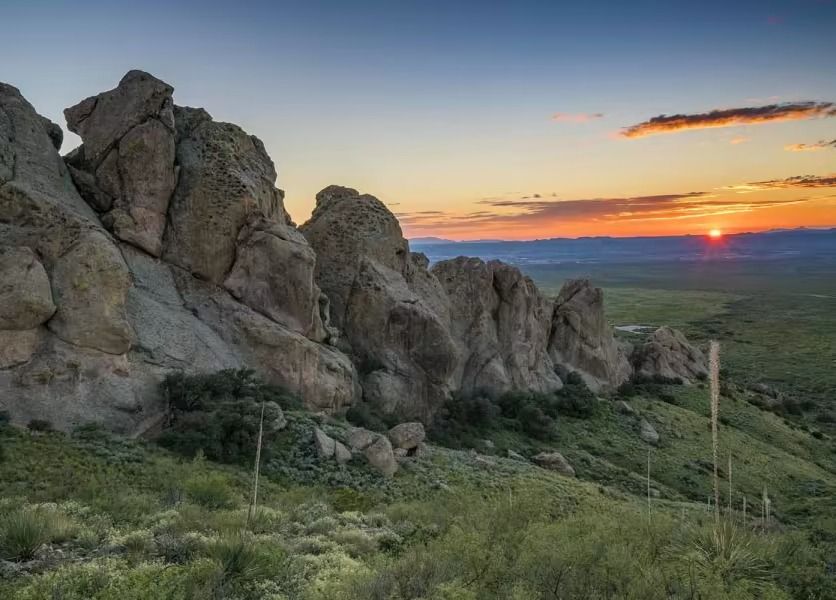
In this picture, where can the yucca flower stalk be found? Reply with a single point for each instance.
(730, 485)
(714, 372)
(256, 468)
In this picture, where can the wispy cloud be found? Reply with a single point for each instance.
(738, 139)
(820, 145)
(799, 181)
(508, 213)
(728, 117)
(576, 117)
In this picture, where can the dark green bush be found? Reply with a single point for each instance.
(5, 417)
(40, 425)
(363, 415)
(218, 414)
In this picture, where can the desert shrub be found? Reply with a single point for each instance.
(242, 560)
(210, 491)
(627, 389)
(535, 422)
(219, 414)
(39, 425)
(24, 530)
(363, 415)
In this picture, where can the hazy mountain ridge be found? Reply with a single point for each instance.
(767, 245)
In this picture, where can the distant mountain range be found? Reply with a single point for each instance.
(768, 245)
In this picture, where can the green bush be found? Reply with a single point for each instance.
(40, 425)
(23, 532)
(218, 414)
(210, 491)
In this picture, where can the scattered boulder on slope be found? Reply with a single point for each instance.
(407, 436)
(554, 461)
(668, 354)
(501, 326)
(325, 445)
(582, 338)
(648, 433)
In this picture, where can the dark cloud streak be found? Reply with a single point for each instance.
(786, 111)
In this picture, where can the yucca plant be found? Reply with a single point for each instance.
(238, 558)
(730, 553)
(23, 532)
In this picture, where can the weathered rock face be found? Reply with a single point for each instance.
(225, 179)
(667, 353)
(582, 339)
(25, 295)
(501, 325)
(385, 303)
(274, 274)
(162, 244)
(90, 324)
(125, 166)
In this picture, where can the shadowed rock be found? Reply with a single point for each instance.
(125, 165)
(582, 338)
(667, 353)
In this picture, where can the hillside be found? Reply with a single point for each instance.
(130, 520)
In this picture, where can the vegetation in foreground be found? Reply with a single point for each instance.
(92, 516)
(88, 515)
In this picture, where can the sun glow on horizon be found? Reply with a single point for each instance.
(715, 234)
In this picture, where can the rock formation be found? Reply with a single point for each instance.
(501, 325)
(582, 339)
(668, 354)
(125, 167)
(393, 315)
(162, 244)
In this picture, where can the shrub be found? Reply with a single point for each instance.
(219, 414)
(5, 417)
(40, 425)
(241, 560)
(210, 491)
(362, 415)
(535, 422)
(23, 532)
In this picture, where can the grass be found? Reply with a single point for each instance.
(130, 520)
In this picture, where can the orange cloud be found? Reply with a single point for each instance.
(738, 139)
(799, 181)
(787, 111)
(576, 117)
(820, 145)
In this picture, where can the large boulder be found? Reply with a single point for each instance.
(391, 324)
(501, 326)
(668, 354)
(125, 165)
(25, 295)
(274, 274)
(407, 436)
(225, 179)
(581, 338)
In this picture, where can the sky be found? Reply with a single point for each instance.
(485, 120)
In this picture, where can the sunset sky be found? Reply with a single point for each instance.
(485, 119)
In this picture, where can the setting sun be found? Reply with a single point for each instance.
(715, 234)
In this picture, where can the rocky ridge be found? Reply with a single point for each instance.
(161, 244)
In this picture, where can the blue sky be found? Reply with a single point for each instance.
(435, 106)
